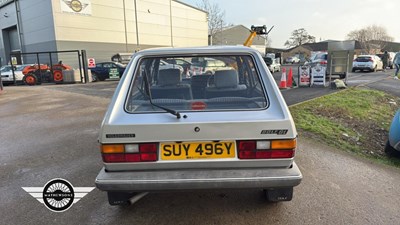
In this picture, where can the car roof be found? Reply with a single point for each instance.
(199, 50)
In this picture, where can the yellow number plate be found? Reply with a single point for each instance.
(197, 150)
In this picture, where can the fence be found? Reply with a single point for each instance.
(49, 67)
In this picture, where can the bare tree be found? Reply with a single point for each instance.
(299, 37)
(216, 17)
(371, 38)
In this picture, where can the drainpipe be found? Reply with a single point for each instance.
(170, 22)
(137, 29)
(126, 34)
(19, 26)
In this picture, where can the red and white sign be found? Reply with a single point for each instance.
(304, 76)
(91, 63)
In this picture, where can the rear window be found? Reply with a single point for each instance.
(232, 85)
(321, 56)
(363, 59)
(268, 60)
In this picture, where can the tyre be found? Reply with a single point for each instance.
(389, 150)
(353, 70)
(94, 77)
(30, 79)
(100, 78)
(278, 194)
(119, 198)
(57, 76)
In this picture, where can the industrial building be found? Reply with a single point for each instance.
(101, 27)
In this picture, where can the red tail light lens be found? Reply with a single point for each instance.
(247, 154)
(113, 157)
(148, 157)
(282, 154)
(246, 145)
(152, 147)
(119, 153)
(324, 62)
(132, 157)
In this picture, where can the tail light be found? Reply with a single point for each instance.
(371, 60)
(323, 62)
(266, 149)
(119, 153)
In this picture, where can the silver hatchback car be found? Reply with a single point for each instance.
(170, 130)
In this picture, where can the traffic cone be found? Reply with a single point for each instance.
(282, 84)
(294, 84)
(290, 78)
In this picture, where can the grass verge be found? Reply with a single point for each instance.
(355, 120)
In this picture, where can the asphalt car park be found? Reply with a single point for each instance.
(60, 130)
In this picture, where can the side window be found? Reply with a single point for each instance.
(99, 65)
(107, 65)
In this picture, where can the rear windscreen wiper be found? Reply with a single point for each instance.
(148, 93)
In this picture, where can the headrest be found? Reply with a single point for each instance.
(226, 78)
(169, 77)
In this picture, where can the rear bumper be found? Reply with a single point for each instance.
(141, 181)
(363, 67)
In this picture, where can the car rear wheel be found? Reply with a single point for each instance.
(120, 198)
(353, 70)
(389, 150)
(278, 194)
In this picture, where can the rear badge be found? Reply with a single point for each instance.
(277, 132)
(120, 135)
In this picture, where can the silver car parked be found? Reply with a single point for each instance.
(167, 131)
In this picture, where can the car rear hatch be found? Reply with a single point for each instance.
(203, 140)
(237, 119)
(363, 61)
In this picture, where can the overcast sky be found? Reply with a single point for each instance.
(323, 19)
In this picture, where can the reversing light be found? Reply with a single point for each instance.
(131, 148)
(263, 144)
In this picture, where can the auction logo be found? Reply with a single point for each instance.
(58, 194)
(75, 5)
